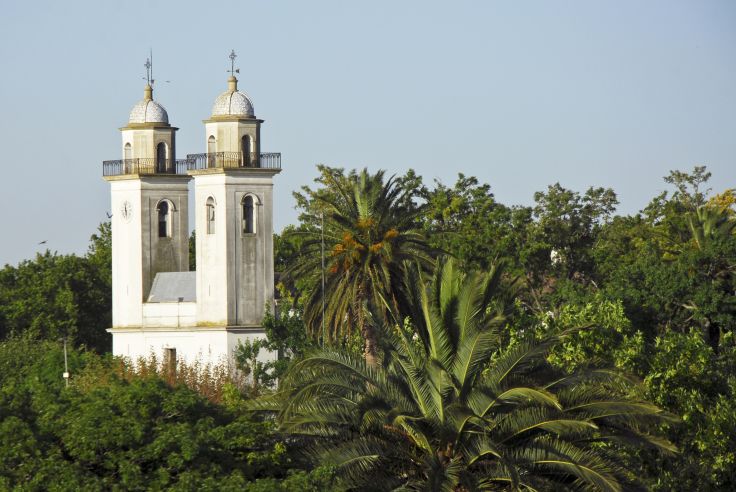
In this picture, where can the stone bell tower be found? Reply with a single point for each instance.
(159, 307)
(233, 188)
(149, 200)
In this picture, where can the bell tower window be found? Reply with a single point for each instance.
(246, 148)
(161, 154)
(164, 219)
(211, 147)
(210, 215)
(127, 158)
(249, 220)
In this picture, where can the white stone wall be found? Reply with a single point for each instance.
(137, 251)
(207, 346)
(234, 269)
(127, 253)
(169, 314)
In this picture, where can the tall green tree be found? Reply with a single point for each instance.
(566, 227)
(467, 221)
(56, 296)
(370, 231)
(458, 408)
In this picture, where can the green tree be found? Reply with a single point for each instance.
(56, 296)
(370, 231)
(458, 408)
(99, 253)
(61, 296)
(467, 222)
(566, 227)
(138, 433)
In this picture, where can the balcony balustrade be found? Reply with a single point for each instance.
(193, 162)
(144, 166)
(234, 160)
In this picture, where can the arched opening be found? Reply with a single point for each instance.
(246, 149)
(249, 218)
(211, 146)
(210, 215)
(161, 152)
(127, 158)
(164, 219)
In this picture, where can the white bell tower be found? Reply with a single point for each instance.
(159, 307)
(233, 184)
(149, 197)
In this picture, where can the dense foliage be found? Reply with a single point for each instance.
(649, 296)
(456, 407)
(105, 432)
(655, 291)
(60, 296)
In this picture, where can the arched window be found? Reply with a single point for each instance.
(249, 216)
(127, 158)
(211, 148)
(164, 219)
(161, 154)
(210, 215)
(247, 150)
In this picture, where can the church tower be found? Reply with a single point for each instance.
(149, 197)
(159, 307)
(233, 183)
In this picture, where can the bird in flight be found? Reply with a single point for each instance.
(109, 215)
(43, 242)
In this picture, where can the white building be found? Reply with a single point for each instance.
(159, 306)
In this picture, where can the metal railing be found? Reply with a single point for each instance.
(234, 160)
(144, 166)
(193, 162)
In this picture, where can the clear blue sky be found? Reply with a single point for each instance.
(519, 94)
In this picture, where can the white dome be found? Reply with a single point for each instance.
(148, 111)
(233, 102)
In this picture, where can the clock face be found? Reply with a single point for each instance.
(126, 209)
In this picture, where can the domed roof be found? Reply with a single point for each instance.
(233, 102)
(147, 110)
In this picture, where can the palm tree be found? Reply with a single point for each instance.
(709, 223)
(455, 407)
(711, 228)
(370, 231)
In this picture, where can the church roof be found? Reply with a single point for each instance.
(174, 287)
(147, 110)
(232, 102)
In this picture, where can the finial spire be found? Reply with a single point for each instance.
(148, 90)
(233, 70)
(149, 71)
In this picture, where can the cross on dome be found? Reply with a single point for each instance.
(147, 110)
(233, 70)
(149, 71)
(232, 102)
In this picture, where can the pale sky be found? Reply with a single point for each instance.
(519, 94)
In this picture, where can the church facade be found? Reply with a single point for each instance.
(159, 306)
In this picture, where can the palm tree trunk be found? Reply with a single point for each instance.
(366, 330)
(369, 335)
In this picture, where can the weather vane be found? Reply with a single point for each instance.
(232, 57)
(149, 69)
